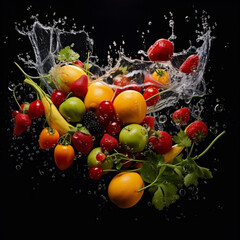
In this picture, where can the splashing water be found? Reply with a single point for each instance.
(47, 41)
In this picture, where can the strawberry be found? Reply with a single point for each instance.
(108, 143)
(161, 50)
(82, 142)
(22, 123)
(197, 131)
(181, 116)
(149, 121)
(190, 64)
(161, 142)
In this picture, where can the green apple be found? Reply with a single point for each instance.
(93, 162)
(73, 109)
(133, 138)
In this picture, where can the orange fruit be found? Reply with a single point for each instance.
(65, 75)
(161, 76)
(130, 106)
(123, 189)
(97, 92)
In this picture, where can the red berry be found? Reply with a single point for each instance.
(108, 143)
(134, 86)
(128, 164)
(14, 113)
(79, 63)
(181, 116)
(95, 172)
(149, 92)
(80, 86)
(22, 123)
(36, 109)
(121, 81)
(149, 81)
(104, 120)
(190, 64)
(149, 121)
(57, 97)
(161, 50)
(197, 131)
(82, 142)
(106, 108)
(161, 143)
(114, 128)
(101, 157)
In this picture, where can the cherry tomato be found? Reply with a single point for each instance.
(36, 109)
(48, 138)
(63, 156)
(150, 92)
(57, 97)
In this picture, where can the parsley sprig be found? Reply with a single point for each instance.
(166, 179)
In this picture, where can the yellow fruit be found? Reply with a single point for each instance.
(54, 118)
(123, 189)
(130, 106)
(161, 76)
(65, 75)
(174, 152)
(97, 92)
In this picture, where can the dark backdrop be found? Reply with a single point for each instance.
(34, 206)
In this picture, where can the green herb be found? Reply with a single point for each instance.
(67, 54)
(166, 179)
(182, 139)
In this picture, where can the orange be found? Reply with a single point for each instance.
(130, 106)
(65, 75)
(123, 189)
(97, 92)
(161, 76)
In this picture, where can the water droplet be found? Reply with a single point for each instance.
(162, 118)
(219, 108)
(187, 18)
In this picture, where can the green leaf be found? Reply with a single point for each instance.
(67, 54)
(190, 179)
(149, 171)
(157, 199)
(182, 139)
(150, 167)
(165, 195)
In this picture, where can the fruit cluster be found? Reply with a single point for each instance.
(109, 124)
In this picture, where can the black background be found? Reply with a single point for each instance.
(53, 210)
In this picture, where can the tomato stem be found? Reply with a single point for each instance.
(209, 146)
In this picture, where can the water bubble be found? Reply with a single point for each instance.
(149, 23)
(162, 118)
(219, 108)
(187, 18)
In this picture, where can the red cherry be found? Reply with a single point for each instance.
(14, 113)
(57, 97)
(36, 109)
(149, 92)
(106, 108)
(79, 63)
(101, 157)
(128, 164)
(114, 128)
(95, 172)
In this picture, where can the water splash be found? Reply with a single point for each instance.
(47, 41)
